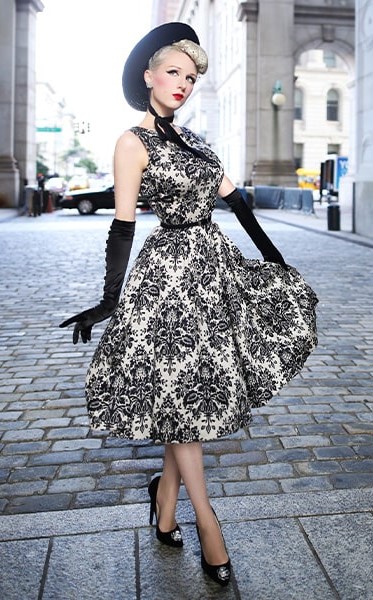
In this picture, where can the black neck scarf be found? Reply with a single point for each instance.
(166, 132)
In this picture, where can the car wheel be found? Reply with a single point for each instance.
(85, 207)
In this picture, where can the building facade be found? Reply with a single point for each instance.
(322, 108)
(364, 119)
(17, 97)
(257, 48)
(55, 130)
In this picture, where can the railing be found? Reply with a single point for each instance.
(283, 198)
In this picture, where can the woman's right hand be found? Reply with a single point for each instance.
(85, 320)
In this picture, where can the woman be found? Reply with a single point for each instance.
(200, 334)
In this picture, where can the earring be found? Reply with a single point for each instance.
(149, 85)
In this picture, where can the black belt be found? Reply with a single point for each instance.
(185, 225)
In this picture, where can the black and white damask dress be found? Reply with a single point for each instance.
(201, 334)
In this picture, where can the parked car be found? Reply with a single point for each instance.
(56, 187)
(78, 182)
(55, 184)
(88, 201)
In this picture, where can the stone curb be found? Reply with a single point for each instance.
(234, 509)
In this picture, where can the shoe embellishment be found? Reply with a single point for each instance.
(176, 535)
(224, 573)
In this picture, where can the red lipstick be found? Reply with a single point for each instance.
(178, 96)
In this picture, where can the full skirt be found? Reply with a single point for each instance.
(200, 336)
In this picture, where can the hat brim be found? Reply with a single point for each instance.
(134, 88)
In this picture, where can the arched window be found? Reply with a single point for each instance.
(330, 59)
(332, 106)
(298, 104)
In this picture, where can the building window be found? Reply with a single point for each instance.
(334, 149)
(332, 105)
(298, 104)
(298, 155)
(330, 59)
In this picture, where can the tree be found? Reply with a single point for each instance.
(76, 151)
(82, 156)
(41, 167)
(88, 164)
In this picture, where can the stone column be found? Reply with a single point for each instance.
(364, 119)
(273, 163)
(251, 101)
(25, 79)
(9, 176)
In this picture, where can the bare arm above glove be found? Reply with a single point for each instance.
(248, 221)
(118, 249)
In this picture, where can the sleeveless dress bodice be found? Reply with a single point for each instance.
(179, 187)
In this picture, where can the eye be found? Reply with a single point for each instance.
(191, 79)
(173, 72)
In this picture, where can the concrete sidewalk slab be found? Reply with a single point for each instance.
(294, 547)
(344, 545)
(92, 566)
(316, 222)
(6, 214)
(272, 559)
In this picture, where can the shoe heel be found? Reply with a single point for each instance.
(169, 538)
(221, 574)
(151, 515)
(152, 491)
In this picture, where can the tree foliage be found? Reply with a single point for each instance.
(41, 167)
(88, 164)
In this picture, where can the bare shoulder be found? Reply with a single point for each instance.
(129, 141)
(129, 145)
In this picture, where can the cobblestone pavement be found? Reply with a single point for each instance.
(317, 435)
(294, 493)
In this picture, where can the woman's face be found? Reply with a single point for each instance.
(171, 82)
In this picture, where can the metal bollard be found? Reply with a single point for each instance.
(334, 217)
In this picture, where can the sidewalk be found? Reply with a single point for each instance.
(294, 493)
(6, 214)
(305, 546)
(317, 222)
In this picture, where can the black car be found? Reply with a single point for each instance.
(89, 200)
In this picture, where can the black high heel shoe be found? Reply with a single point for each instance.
(170, 538)
(219, 573)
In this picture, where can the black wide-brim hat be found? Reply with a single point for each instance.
(134, 87)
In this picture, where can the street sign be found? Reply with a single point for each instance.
(52, 129)
(342, 168)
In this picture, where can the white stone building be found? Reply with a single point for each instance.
(363, 198)
(216, 109)
(54, 129)
(250, 47)
(322, 108)
(17, 97)
(252, 44)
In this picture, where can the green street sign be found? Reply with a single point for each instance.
(52, 129)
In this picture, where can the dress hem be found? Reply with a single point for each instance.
(156, 440)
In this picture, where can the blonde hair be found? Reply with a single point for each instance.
(194, 51)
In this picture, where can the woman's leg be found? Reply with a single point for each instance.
(168, 491)
(189, 460)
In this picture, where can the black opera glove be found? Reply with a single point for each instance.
(248, 221)
(85, 320)
(118, 249)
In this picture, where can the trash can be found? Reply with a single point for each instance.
(28, 195)
(36, 203)
(334, 217)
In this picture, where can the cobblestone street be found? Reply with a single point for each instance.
(312, 443)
